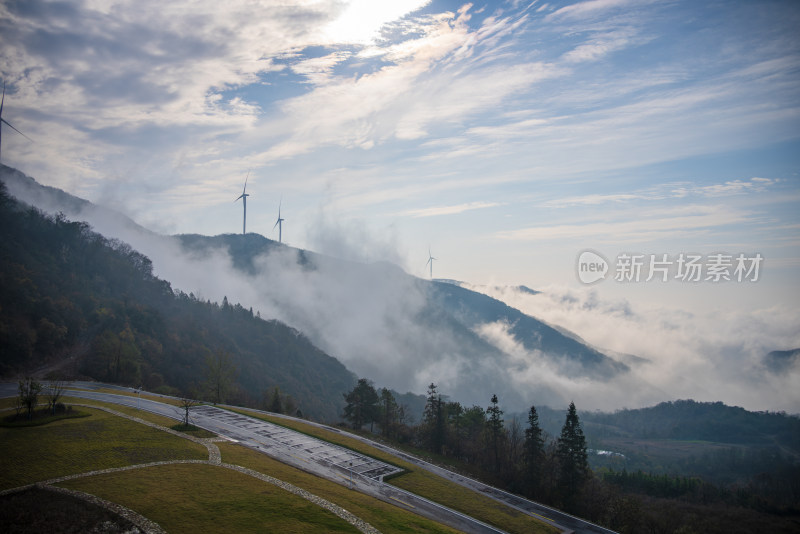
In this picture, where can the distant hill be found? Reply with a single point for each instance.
(706, 421)
(69, 295)
(779, 361)
(472, 309)
(53, 200)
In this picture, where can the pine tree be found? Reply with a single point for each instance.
(362, 404)
(533, 454)
(495, 430)
(455, 418)
(572, 457)
(275, 401)
(433, 419)
(389, 412)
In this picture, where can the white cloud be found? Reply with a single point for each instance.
(590, 8)
(449, 210)
(319, 70)
(591, 200)
(600, 46)
(668, 191)
(360, 21)
(683, 221)
(705, 356)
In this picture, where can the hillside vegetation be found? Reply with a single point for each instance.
(67, 294)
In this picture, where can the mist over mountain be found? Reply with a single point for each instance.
(398, 330)
(679, 353)
(782, 361)
(404, 332)
(76, 304)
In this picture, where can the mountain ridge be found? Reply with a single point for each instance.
(399, 330)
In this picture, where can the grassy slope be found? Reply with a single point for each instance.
(427, 484)
(151, 490)
(203, 498)
(383, 516)
(71, 446)
(117, 442)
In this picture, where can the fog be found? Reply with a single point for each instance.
(376, 320)
(705, 356)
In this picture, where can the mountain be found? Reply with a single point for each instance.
(398, 330)
(690, 420)
(53, 200)
(85, 305)
(780, 361)
(439, 323)
(473, 309)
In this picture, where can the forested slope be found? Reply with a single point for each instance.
(67, 292)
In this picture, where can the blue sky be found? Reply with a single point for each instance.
(506, 136)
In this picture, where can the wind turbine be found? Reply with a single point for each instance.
(244, 196)
(2, 120)
(430, 260)
(279, 222)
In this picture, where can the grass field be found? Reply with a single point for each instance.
(70, 446)
(8, 402)
(41, 416)
(163, 493)
(204, 498)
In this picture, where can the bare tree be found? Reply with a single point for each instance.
(219, 375)
(55, 390)
(187, 403)
(18, 405)
(29, 390)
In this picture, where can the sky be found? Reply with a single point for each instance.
(505, 139)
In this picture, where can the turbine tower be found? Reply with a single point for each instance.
(430, 260)
(244, 196)
(3, 121)
(279, 222)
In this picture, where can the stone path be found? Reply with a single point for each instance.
(214, 458)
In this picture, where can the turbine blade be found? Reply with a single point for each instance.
(245, 184)
(12, 127)
(3, 100)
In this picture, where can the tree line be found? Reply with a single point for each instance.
(518, 459)
(522, 458)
